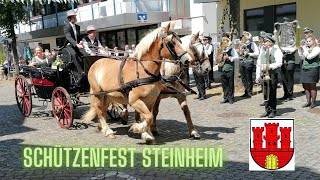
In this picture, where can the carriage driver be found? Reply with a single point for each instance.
(74, 45)
(91, 44)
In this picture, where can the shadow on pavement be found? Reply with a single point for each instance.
(11, 120)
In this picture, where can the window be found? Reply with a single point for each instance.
(179, 9)
(263, 19)
(254, 20)
(60, 41)
(132, 38)
(121, 38)
(286, 10)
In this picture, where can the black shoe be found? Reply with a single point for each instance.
(263, 104)
(313, 105)
(272, 114)
(290, 98)
(265, 114)
(224, 101)
(202, 98)
(230, 101)
(245, 95)
(250, 95)
(306, 105)
(283, 98)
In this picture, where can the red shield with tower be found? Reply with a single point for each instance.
(271, 144)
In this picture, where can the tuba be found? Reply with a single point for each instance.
(243, 49)
(221, 52)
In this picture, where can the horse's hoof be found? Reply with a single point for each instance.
(155, 133)
(194, 137)
(111, 136)
(150, 142)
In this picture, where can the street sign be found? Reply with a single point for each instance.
(142, 17)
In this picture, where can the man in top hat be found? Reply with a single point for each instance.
(209, 51)
(274, 54)
(249, 52)
(75, 46)
(91, 44)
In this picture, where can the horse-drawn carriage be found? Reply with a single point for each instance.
(55, 85)
(135, 81)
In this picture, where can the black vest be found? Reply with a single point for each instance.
(95, 43)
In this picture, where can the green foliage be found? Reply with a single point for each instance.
(2, 55)
(11, 13)
(58, 62)
(37, 1)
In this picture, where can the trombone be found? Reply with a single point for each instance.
(266, 78)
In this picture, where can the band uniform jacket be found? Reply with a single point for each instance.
(70, 36)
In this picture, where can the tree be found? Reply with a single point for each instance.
(11, 14)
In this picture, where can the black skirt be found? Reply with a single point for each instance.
(309, 75)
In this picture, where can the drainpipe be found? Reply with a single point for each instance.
(91, 2)
(114, 8)
(56, 11)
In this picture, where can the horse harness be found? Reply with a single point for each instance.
(126, 87)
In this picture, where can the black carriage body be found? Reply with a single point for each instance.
(45, 80)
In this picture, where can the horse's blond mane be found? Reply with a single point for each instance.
(146, 42)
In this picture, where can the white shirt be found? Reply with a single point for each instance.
(74, 31)
(89, 51)
(234, 55)
(208, 49)
(278, 58)
(255, 49)
(309, 55)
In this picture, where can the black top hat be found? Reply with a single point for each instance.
(269, 37)
(207, 37)
(306, 29)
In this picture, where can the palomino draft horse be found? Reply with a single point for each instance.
(195, 48)
(134, 81)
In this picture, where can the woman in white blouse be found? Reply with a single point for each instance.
(310, 70)
(39, 59)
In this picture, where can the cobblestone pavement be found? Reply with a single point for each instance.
(222, 125)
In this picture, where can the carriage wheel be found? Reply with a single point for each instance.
(62, 107)
(23, 96)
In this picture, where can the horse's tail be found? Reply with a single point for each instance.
(91, 113)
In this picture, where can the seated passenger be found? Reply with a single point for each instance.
(91, 44)
(39, 60)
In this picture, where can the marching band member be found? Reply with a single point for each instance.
(310, 70)
(275, 57)
(209, 51)
(91, 44)
(251, 51)
(227, 77)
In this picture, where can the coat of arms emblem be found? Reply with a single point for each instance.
(271, 144)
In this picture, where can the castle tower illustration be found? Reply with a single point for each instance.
(257, 137)
(271, 156)
(285, 137)
(271, 136)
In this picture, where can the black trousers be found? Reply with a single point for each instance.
(246, 69)
(76, 55)
(199, 79)
(270, 88)
(287, 73)
(227, 80)
(210, 74)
